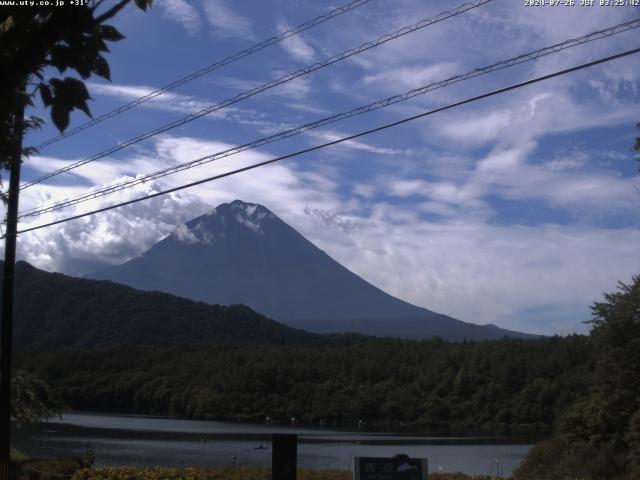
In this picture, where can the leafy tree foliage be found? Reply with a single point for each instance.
(35, 38)
(632, 438)
(599, 435)
(339, 380)
(33, 400)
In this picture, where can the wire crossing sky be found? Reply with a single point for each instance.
(341, 140)
(387, 37)
(530, 56)
(206, 70)
(517, 210)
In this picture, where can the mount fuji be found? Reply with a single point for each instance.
(242, 253)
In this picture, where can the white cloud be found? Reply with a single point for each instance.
(477, 130)
(414, 76)
(182, 12)
(169, 101)
(295, 45)
(309, 108)
(330, 136)
(461, 42)
(227, 23)
(573, 183)
(332, 219)
(507, 172)
(107, 238)
(187, 104)
(529, 114)
(491, 274)
(295, 89)
(96, 173)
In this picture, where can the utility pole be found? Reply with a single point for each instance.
(6, 319)
(284, 456)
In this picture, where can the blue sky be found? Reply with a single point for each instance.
(518, 210)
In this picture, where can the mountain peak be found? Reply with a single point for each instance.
(223, 221)
(249, 215)
(241, 253)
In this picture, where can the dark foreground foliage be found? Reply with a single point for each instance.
(598, 436)
(32, 400)
(75, 469)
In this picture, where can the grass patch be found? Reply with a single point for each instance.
(16, 456)
(76, 469)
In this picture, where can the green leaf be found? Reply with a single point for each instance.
(110, 33)
(85, 108)
(101, 67)
(60, 57)
(56, 83)
(76, 94)
(100, 45)
(33, 122)
(77, 88)
(60, 116)
(83, 67)
(68, 94)
(45, 94)
(143, 4)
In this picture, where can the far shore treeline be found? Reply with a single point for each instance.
(508, 383)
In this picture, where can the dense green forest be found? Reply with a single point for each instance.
(598, 435)
(506, 383)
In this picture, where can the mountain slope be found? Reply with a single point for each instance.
(54, 311)
(242, 253)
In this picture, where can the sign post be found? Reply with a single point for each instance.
(284, 459)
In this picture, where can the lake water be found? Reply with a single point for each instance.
(147, 441)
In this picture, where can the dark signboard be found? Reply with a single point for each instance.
(399, 467)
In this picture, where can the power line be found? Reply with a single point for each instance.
(605, 33)
(274, 83)
(208, 69)
(340, 140)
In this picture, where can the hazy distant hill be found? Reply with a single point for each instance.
(242, 253)
(54, 311)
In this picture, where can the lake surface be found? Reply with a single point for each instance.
(148, 441)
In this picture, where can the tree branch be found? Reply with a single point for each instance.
(111, 12)
(97, 4)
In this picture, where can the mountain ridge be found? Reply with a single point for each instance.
(53, 311)
(242, 253)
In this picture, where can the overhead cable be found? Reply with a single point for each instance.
(530, 56)
(208, 69)
(335, 142)
(274, 83)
